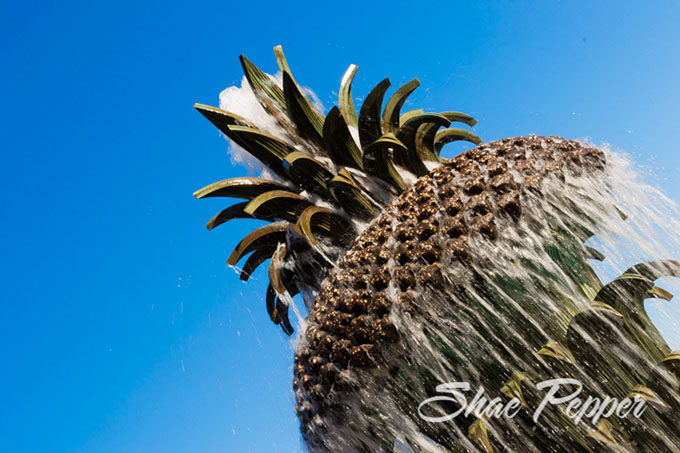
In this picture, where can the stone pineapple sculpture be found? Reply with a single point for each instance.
(418, 270)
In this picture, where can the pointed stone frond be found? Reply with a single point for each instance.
(351, 197)
(407, 135)
(325, 222)
(379, 160)
(339, 142)
(275, 265)
(266, 236)
(452, 135)
(256, 258)
(479, 433)
(308, 121)
(308, 173)
(280, 204)
(513, 389)
(236, 211)
(278, 312)
(247, 188)
(647, 394)
(345, 101)
(369, 115)
(390, 118)
(627, 294)
(554, 349)
(263, 86)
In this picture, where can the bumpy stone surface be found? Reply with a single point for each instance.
(405, 248)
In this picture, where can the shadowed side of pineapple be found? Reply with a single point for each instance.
(418, 270)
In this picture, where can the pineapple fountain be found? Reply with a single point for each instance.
(453, 304)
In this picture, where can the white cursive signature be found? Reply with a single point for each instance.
(592, 408)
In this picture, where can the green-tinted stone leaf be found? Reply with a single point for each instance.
(275, 265)
(408, 115)
(345, 101)
(654, 270)
(599, 318)
(282, 310)
(339, 141)
(308, 173)
(647, 394)
(266, 148)
(407, 130)
(269, 95)
(369, 115)
(597, 339)
(672, 357)
(670, 364)
(594, 254)
(319, 220)
(350, 196)
(569, 254)
(256, 258)
(631, 286)
(224, 120)
(554, 349)
(379, 161)
(234, 212)
(513, 389)
(274, 315)
(425, 143)
(281, 60)
(606, 309)
(459, 117)
(660, 293)
(267, 92)
(266, 236)
(307, 120)
(390, 117)
(407, 135)
(221, 118)
(627, 294)
(278, 203)
(425, 136)
(622, 214)
(246, 187)
(454, 134)
(480, 436)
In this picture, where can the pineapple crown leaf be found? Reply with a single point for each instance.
(266, 236)
(232, 212)
(325, 221)
(345, 100)
(390, 118)
(369, 115)
(246, 187)
(327, 179)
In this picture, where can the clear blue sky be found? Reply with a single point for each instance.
(122, 329)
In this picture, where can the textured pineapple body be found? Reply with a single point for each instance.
(407, 255)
